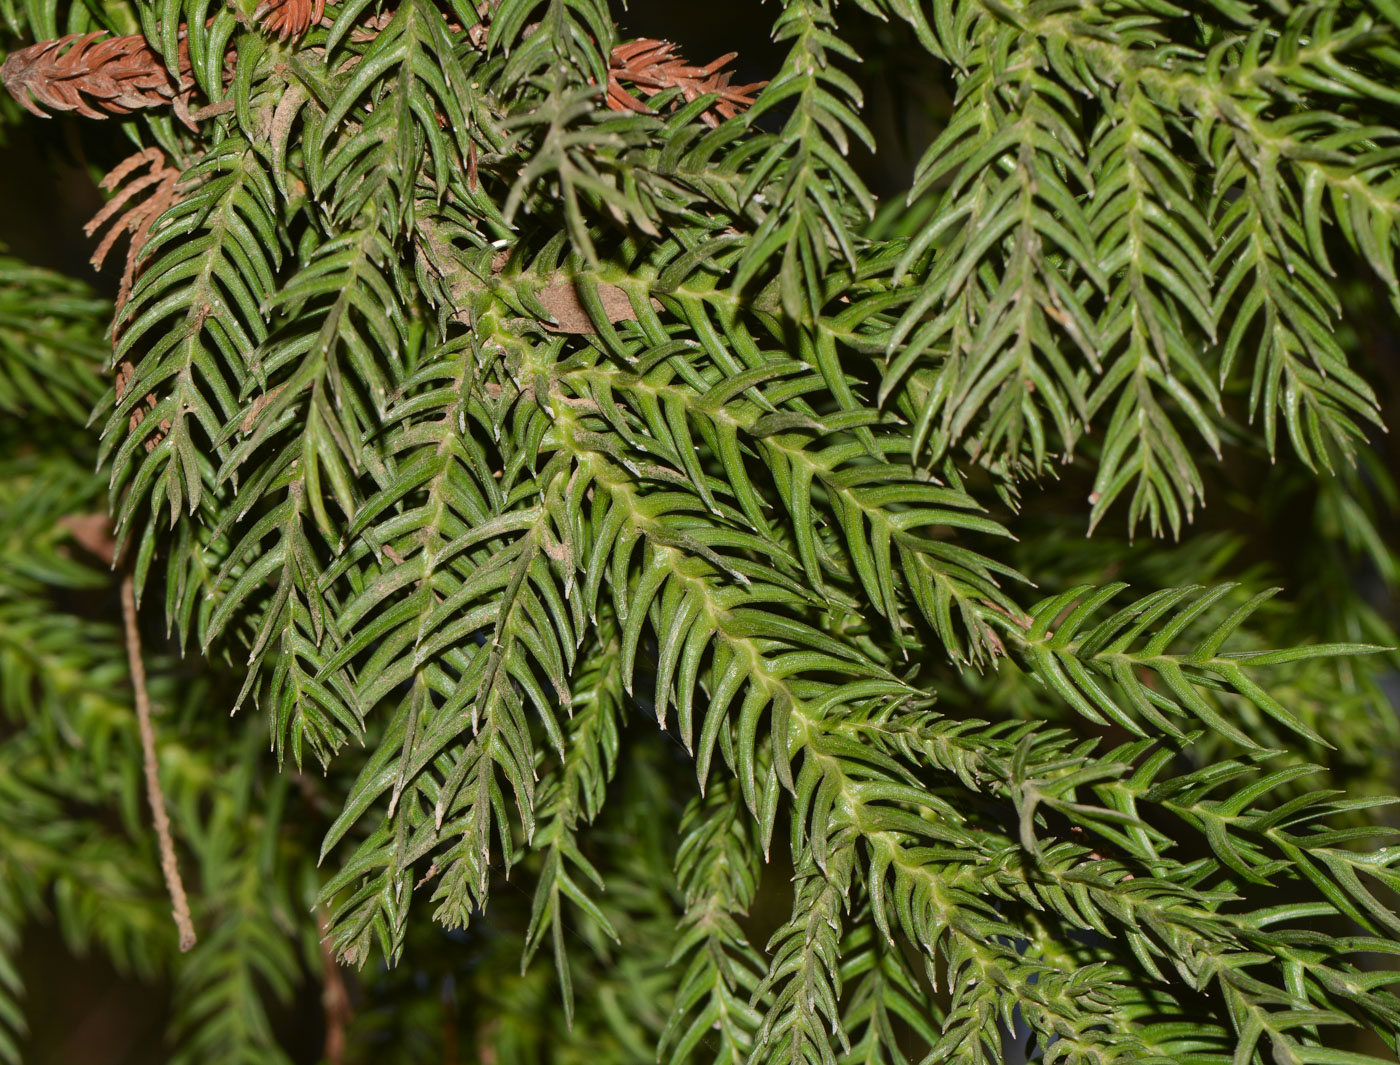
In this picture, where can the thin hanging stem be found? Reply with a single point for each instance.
(335, 997)
(168, 864)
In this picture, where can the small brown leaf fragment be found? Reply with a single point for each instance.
(560, 299)
(250, 419)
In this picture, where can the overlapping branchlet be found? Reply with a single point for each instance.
(98, 77)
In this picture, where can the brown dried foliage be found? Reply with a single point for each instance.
(654, 66)
(139, 200)
(285, 19)
(97, 76)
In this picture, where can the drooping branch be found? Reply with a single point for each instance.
(99, 77)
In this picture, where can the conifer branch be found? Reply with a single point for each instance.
(553, 431)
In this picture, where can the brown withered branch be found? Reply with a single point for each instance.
(94, 75)
(135, 207)
(654, 66)
(99, 76)
(132, 211)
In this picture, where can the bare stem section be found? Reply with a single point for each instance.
(335, 998)
(169, 867)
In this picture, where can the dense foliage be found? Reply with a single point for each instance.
(639, 545)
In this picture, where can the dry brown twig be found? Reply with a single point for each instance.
(169, 865)
(335, 997)
(93, 532)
